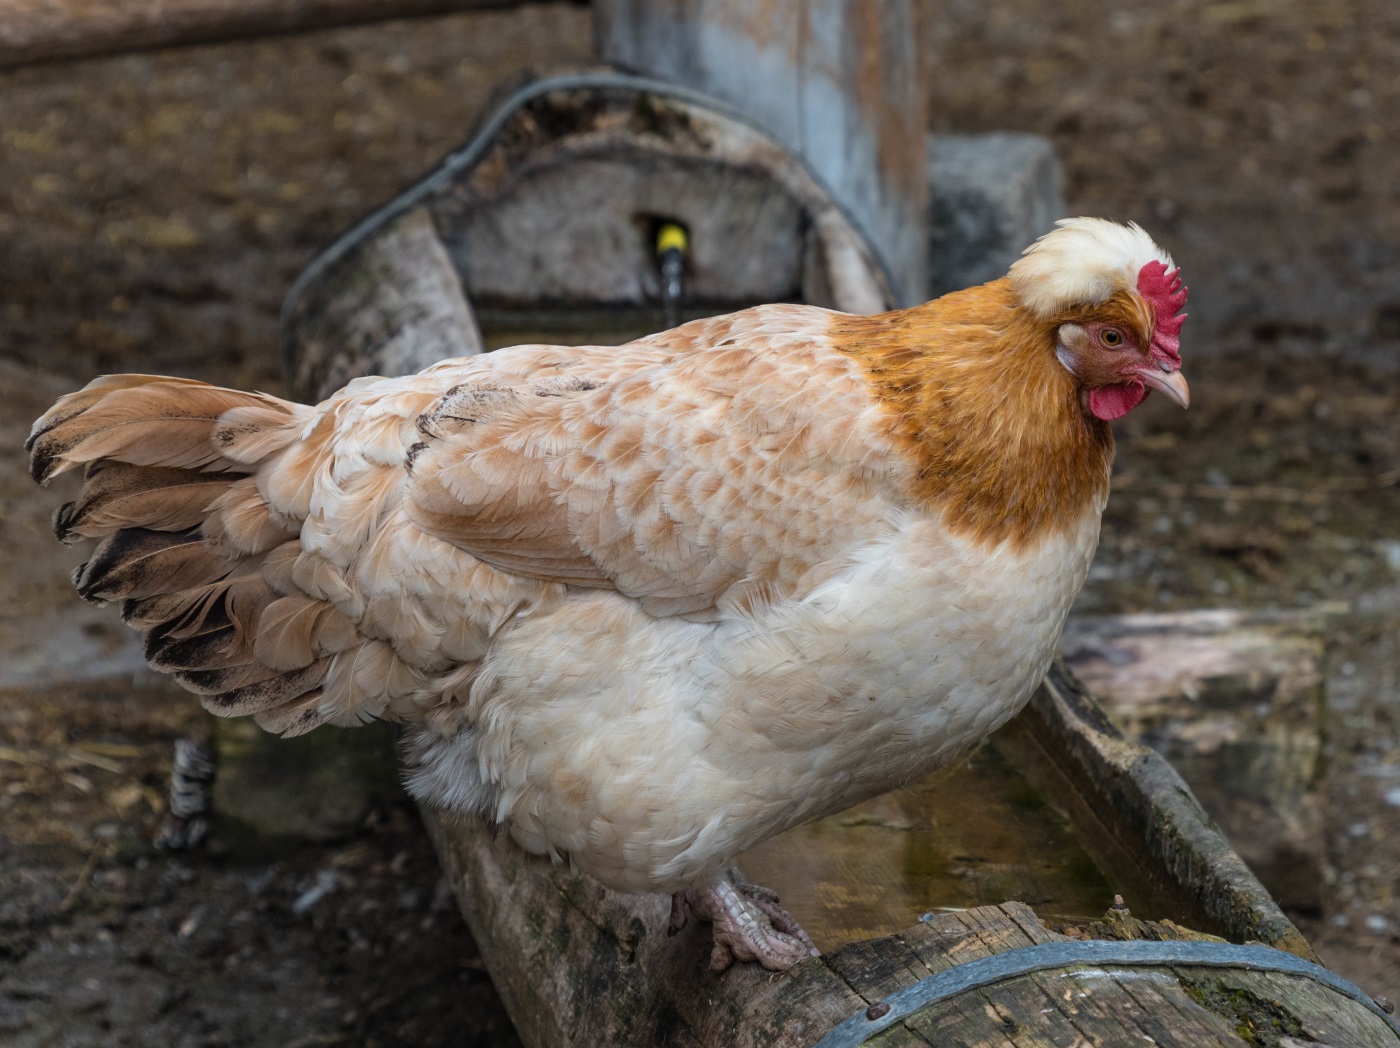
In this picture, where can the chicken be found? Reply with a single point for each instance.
(645, 606)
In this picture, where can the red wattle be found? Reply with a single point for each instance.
(1111, 402)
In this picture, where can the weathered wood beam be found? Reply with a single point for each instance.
(1124, 798)
(53, 30)
(402, 310)
(578, 965)
(1233, 699)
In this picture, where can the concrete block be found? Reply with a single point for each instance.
(989, 196)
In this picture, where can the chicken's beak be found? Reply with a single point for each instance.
(1170, 383)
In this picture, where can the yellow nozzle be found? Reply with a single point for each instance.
(671, 236)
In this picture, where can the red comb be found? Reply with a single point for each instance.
(1167, 295)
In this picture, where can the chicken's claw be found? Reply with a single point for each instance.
(680, 911)
(748, 925)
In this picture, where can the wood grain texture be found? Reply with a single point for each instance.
(1234, 701)
(1133, 801)
(395, 309)
(837, 81)
(577, 965)
(52, 30)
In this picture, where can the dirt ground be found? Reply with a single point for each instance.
(155, 208)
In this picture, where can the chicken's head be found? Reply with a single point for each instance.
(1112, 299)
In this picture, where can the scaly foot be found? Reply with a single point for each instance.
(748, 924)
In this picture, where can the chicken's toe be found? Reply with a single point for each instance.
(681, 902)
(749, 925)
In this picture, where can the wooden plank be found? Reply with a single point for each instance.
(1271, 1006)
(53, 30)
(876, 968)
(837, 81)
(395, 308)
(577, 964)
(1118, 1004)
(1167, 1011)
(1029, 1018)
(1138, 809)
(1233, 700)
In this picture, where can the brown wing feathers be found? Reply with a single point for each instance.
(184, 531)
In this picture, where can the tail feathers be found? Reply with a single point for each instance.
(74, 404)
(214, 649)
(269, 693)
(296, 630)
(225, 599)
(295, 718)
(214, 683)
(240, 522)
(119, 495)
(210, 642)
(148, 421)
(136, 563)
(187, 610)
(250, 433)
(217, 629)
(179, 486)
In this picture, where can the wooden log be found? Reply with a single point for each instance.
(1234, 701)
(1137, 807)
(579, 965)
(54, 30)
(399, 310)
(839, 82)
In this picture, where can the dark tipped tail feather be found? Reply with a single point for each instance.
(168, 490)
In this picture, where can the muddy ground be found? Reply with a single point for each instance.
(154, 209)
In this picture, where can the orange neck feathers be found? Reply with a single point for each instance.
(995, 423)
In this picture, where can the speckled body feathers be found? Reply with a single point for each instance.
(645, 606)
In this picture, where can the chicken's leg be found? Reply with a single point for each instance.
(748, 925)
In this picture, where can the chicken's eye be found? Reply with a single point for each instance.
(1111, 337)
